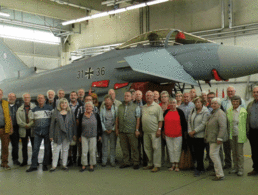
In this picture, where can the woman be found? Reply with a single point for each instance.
(164, 100)
(175, 128)
(215, 134)
(88, 129)
(179, 97)
(196, 128)
(62, 131)
(237, 133)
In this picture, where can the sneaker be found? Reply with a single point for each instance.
(45, 168)
(240, 173)
(31, 169)
(218, 179)
(65, 168)
(52, 169)
(233, 171)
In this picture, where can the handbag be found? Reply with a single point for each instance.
(186, 160)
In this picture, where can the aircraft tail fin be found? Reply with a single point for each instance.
(160, 64)
(11, 65)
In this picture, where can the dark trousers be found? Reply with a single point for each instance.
(190, 143)
(99, 148)
(37, 142)
(142, 155)
(253, 135)
(25, 145)
(198, 147)
(15, 143)
(4, 148)
(227, 152)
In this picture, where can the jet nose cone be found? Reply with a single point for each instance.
(237, 61)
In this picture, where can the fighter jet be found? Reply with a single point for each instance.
(161, 56)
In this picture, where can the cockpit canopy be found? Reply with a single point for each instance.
(158, 38)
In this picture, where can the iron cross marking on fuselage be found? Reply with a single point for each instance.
(89, 73)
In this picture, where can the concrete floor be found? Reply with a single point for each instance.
(112, 180)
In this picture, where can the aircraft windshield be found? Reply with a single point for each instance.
(157, 39)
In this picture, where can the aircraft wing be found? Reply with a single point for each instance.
(160, 63)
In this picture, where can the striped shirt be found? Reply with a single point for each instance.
(42, 118)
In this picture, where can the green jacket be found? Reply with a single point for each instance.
(241, 125)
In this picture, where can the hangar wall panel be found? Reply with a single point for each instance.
(34, 54)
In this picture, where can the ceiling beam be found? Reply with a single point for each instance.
(45, 8)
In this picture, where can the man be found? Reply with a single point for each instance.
(140, 102)
(116, 102)
(138, 99)
(252, 130)
(25, 126)
(60, 94)
(205, 98)
(187, 105)
(210, 96)
(41, 115)
(133, 94)
(193, 94)
(51, 98)
(164, 106)
(156, 97)
(152, 120)
(75, 106)
(108, 119)
(15, 136)
(81, 94)
(127, 127)
(6, 129)
(226, 104)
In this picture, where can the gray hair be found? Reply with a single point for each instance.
(89, 103)
(51, 91)
(111, 90)
(205, 92)
(149, 92)
(216, 100)
(81, 89)
(63, 100)
(256, 86)
(139, 91)
(231, 87)
(164, 93)
(24, 95)
(172, 100)
(236, 97)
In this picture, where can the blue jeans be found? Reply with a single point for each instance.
(37, 142)
(105, 138)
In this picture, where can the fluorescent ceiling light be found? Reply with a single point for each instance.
(136, 6)
(113, 11)
(68, 22)
(84, 19)
(156, 2)
(99, 15)
(4, 14)
(117, 11)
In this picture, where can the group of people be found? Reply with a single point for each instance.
(82, 128)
